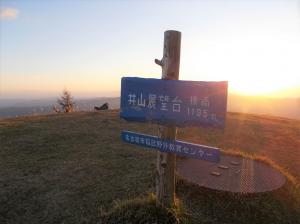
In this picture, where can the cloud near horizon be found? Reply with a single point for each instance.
(8, 13)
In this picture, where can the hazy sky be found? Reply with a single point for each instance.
(87, 46)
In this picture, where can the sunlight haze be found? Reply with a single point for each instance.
(87, 46)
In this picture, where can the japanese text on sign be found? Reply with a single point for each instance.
(178, 147)
(175, 102)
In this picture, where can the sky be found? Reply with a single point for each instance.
(87, 46)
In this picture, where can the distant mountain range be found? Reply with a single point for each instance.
(283, 107)
(17, 107)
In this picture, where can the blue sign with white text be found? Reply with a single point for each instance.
(178, 147)
(176, 102)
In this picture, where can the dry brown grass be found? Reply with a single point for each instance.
(277, 139)
(65, 168)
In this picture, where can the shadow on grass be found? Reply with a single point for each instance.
(204, 206)
(214, 207)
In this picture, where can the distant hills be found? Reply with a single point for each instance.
(17, 107)
(283, 107)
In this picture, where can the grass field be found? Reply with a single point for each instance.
(71, 168)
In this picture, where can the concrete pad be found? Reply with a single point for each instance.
(232, 173)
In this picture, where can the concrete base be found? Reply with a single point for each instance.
(232, 173)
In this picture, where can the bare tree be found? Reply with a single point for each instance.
(56, 109)
(66, 101)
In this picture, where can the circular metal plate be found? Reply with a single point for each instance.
(232, 173)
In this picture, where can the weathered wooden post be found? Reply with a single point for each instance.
(165, 177)
(172, 103)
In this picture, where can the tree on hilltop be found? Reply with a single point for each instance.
(66, 102)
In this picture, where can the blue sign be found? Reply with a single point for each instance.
(180, 103)
(202, 152)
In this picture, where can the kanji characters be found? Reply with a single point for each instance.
(178, 148)
(204, 102)
(198, 107)
(152, 101)
(171, 146)
(131, 99)
(194, 100)
(176, 104)
(141, 101)
(164, 99)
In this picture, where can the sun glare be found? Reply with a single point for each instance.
(258, 87)
(254, 64)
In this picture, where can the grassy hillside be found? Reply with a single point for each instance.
(67, 168)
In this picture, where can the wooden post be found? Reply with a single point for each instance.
(166, 162)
